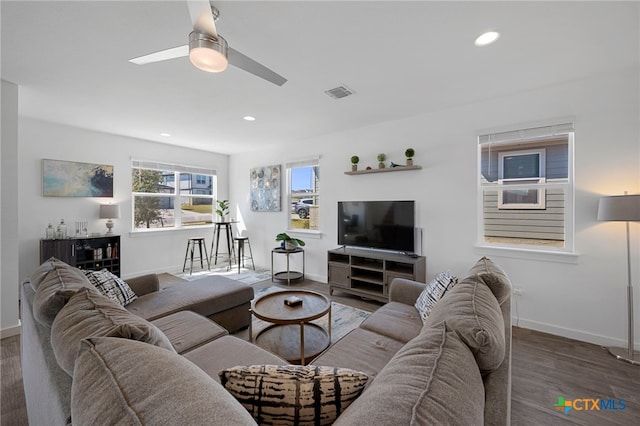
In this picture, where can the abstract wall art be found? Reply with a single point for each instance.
(265, 189)
(73, 179)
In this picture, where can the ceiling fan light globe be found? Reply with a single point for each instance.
(207, 59)
(208, 53)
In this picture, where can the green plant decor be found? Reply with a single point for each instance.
(223, 208)
(409, 153)
(287, 239)
(355, 159)
(381, 157)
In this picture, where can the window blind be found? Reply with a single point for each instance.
(156, 165)
(527, 133)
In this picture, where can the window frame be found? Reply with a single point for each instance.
(541, 203)
(527, 134)
(175, 174)
(313, 163)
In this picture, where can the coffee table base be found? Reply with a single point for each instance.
(285, 340)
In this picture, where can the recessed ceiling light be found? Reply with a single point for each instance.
(166, 135)
(249, 118)
(487, 38)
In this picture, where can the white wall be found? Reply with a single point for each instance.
(141, 253)
(9, 217)
(583, 299)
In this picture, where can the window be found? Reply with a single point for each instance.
(158, 188)
(536, 165)
(521, 167)
(304, 194)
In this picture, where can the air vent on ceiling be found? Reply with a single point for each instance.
(339, 92)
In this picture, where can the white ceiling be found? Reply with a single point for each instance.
(401, 58)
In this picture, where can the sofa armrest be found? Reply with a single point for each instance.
(144, 284)
(405, 291)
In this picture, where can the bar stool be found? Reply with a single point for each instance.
(191, 245)
(241, 240)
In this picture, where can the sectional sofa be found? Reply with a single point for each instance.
(88, 360)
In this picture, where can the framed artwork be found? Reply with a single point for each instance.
(72, 179)
(265, 188)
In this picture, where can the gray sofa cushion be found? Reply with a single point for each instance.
(187, 330)
(206, 296)
(471, 310)
(229, 351)
(360, 350)
(93, 315)
(107, 388)
(55, 288)
(432, 380)
(494, 277)
(396, 320)
(41, 271)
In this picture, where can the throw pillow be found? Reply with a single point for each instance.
(434, 292)
(294, 394)
(111, 286)
(89, 314)
(124, 382)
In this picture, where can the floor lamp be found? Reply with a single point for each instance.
(623, 208)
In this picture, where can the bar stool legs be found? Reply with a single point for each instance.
(191, 245)
(241, 252)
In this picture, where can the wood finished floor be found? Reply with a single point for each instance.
(544, 367)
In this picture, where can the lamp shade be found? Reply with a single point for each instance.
(109, 211)
(619, 208)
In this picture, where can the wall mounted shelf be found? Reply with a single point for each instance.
(386, 169)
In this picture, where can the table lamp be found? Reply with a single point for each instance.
(109, 211)
(624, 208)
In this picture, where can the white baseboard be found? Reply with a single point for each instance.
(596, 339)
(10, 332)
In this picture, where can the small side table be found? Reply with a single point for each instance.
(287, 275)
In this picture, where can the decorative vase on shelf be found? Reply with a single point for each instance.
(354, 167)
(381, 157)
(409, 161)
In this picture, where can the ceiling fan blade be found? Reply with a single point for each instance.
(202, 17)
(163, 55)
(246, 63)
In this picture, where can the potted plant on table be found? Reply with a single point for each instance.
(223, 209)
(381, 157)
(288, 242)
(409, 153)
(354, 163)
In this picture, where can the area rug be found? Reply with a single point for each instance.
(343, 318)
(246, 275)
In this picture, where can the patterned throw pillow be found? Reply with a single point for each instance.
(293, 394)
(434, 292)
(111, 286)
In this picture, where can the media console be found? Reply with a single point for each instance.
(368, 273)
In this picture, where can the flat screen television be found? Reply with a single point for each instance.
(384, 225)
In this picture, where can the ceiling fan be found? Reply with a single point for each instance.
(207, 49)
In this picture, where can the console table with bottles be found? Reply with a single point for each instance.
(93, 253)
